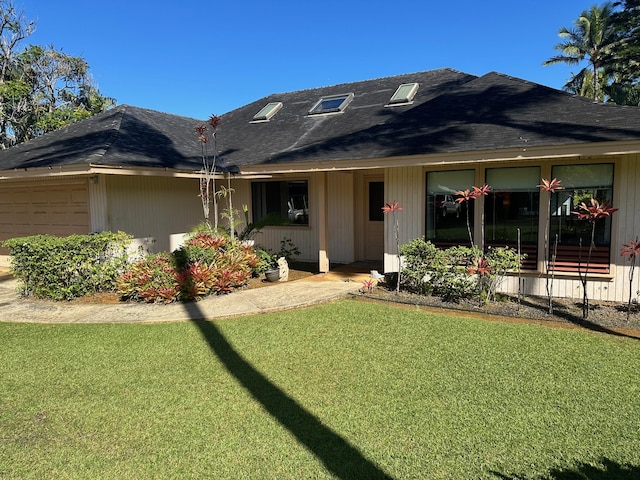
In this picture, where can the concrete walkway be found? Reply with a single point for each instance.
(279, 296)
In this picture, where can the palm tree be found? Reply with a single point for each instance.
(591, 39)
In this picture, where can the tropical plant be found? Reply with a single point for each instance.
(465, 196)
(393, 208)
(208, 170)
(153, 279)
(206, 264)
(592, 212)
(625, 58)
(550, 187)
(631, 250)
(592, 39)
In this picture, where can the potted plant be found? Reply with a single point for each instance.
(272, 274)
(268, 265)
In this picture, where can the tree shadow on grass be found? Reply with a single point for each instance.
(577, 319)
(609, 470)
(338, 456)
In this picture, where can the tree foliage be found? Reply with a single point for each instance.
(41, 88)
(607, 38)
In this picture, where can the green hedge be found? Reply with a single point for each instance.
(63, 268)
(458, 272)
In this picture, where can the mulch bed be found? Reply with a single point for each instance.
(606, 317)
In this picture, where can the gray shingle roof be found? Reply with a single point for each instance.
(451, 112)
(124, 136)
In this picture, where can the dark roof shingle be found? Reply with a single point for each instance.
(452, 112)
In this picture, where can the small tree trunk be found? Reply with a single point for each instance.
(519, 276)
(553, 271)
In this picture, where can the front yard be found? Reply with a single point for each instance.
(342, 390)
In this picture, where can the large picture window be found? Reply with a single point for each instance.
(281, 202)
(446, 218)
(512, 206)
(581, 183)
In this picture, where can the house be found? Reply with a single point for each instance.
(327, 159)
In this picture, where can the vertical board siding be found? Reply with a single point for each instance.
(627, 220)
(341, 215)
(98, 203)
(157, 207)
(406, 186)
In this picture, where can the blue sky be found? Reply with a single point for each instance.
(197, 58)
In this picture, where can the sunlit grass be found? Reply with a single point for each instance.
(418, 395)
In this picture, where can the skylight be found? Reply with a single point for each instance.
(331, 104)
(404, 94)
(268, 111)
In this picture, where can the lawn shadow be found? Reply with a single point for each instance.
(576, 319)
(583, 471)
(338, 456)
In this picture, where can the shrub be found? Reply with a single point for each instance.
(457, 272)
(63, 268)
(206, 264)
(419, 260)
(153, 279)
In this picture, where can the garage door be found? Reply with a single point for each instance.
(43, 208)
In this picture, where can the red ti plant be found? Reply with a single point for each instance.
(631, 250)
(549, 186)
(393, 208)
(472, 194)
(591, 212)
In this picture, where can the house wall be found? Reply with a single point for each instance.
(147, 206)
(338, 214)
(407, 186)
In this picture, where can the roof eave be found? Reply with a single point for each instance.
(94, 169)
(451, 159)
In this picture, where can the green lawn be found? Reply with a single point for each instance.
(343, 390)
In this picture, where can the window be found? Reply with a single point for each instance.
(331, 104)
(581, 183)
(512, 205)
(446, 218)
(280, 203)
(404, 94)
(376, 201)
(268, 111)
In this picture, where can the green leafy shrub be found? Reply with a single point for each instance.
(502, 260)
(419, 259)
(63, 268)
(457, 272)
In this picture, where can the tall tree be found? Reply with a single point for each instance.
(591, 40)
(625, 57)
(41, 88)
(14, 28)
